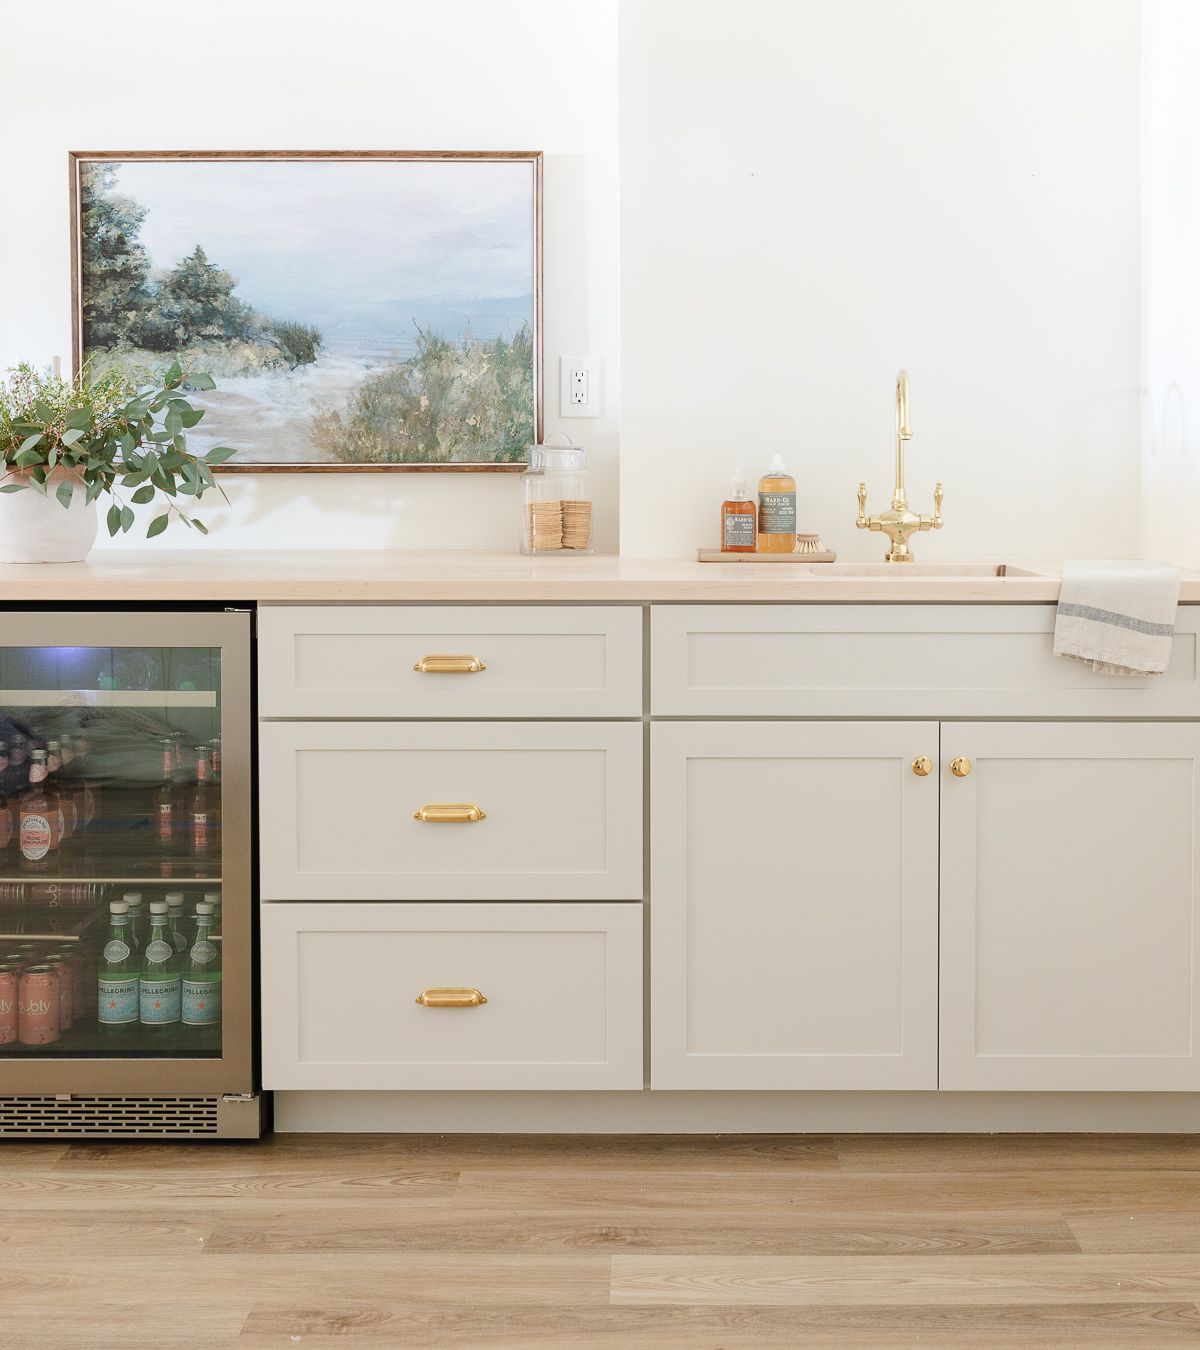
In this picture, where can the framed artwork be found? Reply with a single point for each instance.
(367, 310)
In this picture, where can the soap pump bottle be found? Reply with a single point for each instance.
(776, 509)
(739, 519)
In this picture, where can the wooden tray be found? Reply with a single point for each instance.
(715, 555)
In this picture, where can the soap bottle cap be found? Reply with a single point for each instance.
(776, 465)
(739, 480)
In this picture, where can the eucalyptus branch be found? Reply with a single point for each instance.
(97, 434)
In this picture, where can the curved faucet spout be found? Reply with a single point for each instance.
(899, 523)
(903, 433)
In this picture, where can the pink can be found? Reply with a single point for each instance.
(38, 1007)
(10, 980)
(66, 990)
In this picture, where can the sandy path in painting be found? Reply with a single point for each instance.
(269, 416)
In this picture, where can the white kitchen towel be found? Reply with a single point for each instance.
(1117, 616)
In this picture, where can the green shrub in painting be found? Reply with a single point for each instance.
(447, 403)
(299, 342)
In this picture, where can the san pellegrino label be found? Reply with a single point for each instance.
(158, 950)
(203, 952)
(115, 950)
(118, 999)
(160, 1000)
(201, 1001)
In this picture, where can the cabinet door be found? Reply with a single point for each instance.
(1069, 919)
(793, 905)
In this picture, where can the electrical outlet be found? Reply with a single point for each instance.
(578, 386)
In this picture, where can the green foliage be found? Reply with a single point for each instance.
(299, 342)
(193, 306)
(446, 404)
(104, 434)
(116, 267)
(195, 303)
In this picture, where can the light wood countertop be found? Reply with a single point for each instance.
(392, 576)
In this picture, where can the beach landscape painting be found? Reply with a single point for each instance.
(367, 311)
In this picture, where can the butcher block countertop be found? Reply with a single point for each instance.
(315, 576)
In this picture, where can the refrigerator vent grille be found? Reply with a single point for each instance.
(30, 1116)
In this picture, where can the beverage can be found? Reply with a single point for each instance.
(10, 981)
(66, 990)
(38, 1008)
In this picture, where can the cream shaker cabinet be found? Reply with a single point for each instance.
(794, 905)
(909, 904)
(1070, 914)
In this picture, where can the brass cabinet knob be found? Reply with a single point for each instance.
(450, 813)
(922, 766)
(450, 998)
(447, 664)
(960, 767)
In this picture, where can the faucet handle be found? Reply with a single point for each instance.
(934, 522)
(861, 521)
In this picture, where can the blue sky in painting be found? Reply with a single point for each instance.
(362, 250)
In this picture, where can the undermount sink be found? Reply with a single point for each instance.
(918, 571)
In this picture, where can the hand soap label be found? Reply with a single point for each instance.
(777, 512)
(739, 531)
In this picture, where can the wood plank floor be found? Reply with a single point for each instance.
(695, 1243)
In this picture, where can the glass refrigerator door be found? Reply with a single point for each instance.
(124, 853)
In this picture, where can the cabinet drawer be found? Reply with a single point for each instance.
(560, 806)
(562, 985)
(895, 661)
(365, 661)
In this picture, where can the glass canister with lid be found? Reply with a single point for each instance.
(556, 500)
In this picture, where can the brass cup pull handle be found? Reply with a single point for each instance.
(960, 767)
(449, 664)
(450, 998)
(922, 766)
(450, 813)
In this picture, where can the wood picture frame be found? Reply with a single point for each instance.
(504, 351)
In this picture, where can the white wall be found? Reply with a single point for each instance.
(816, 194)
(308, 74)
(1171, 280)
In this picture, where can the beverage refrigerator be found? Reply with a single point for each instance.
(126, 1000)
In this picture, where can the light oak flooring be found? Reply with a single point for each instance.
(695, 1243)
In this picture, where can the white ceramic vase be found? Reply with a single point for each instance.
(39, 529)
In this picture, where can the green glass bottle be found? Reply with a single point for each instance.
(159, 980)
(117, 982)
(202, 985)
(175, 903)
(137, 935)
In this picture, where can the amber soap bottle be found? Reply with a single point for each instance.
(776, 509)
(739, 518)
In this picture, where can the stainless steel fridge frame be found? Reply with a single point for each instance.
(229, 1078)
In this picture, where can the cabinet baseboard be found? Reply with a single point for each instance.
(736, 1112)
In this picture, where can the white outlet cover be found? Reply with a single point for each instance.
(567, 366)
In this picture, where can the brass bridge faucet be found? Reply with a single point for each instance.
(899, 522)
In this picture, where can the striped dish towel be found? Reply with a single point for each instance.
(1117, 616)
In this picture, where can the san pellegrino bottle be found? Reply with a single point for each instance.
(175, 902)
(159, 979)
(117, 985)
(137, 934)
(202, 978)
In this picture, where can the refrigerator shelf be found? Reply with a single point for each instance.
(108, 698)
